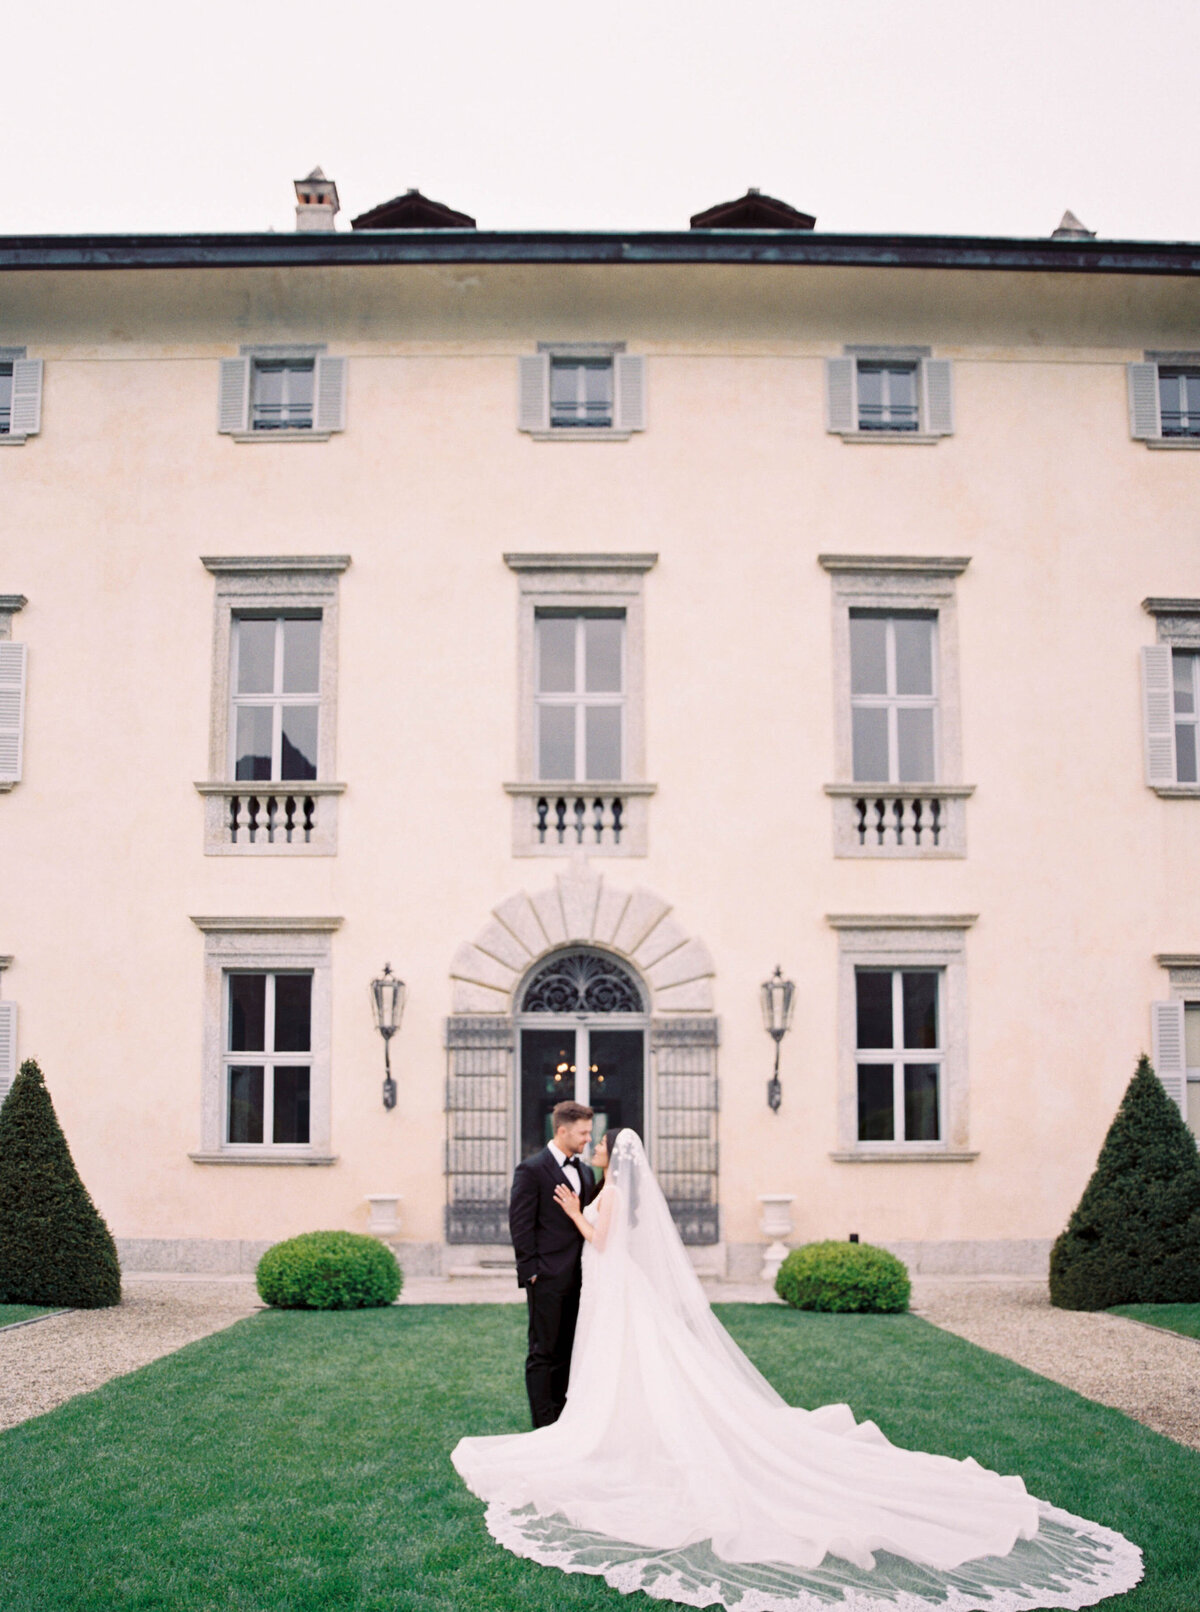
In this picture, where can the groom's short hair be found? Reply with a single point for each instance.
(567, 1113)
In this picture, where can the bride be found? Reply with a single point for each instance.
(676, 1468)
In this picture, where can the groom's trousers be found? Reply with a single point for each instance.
(553, 1310)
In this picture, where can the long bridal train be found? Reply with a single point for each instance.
(676, 1469)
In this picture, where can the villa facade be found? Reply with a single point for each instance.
(585, 625)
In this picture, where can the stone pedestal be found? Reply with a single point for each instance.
(775, 1223)
(384, 1218)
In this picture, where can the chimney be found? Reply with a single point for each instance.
(316, 201)
(1070, 229)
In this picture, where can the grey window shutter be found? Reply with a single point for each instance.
(533, 393)
(1145, 421)
(1158, 726)
(12, 710)
(26, 418)
(939, 397)
(331, 394)
(629, 391)
(1166, 1020)
(8, 1046)
(233, 409)
(841, 412)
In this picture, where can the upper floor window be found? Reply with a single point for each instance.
(898, 1055)
(884, 393)
(893, 696)
(580, 696)
(1171, 697)
(20, 395)
(272, 753)
(581, 392)
(581, 731)
(1179, 402)
(1191, 1025)
(276, 697)
(282, 393)
(1185, 664)
(13, 662)
(582, 389)
(887, 397)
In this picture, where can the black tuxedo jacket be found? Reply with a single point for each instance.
(545, 1239)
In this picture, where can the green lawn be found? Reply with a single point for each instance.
(298, 1462)
(1183, 1318)
(21, 1312)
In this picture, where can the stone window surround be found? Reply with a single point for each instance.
(582, 349)
(581, 582)
(904, 941)
(901, 582)
(1177, 623)
(1172, 360)
(265, 944)
(272, 583)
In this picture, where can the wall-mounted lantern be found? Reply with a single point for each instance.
(387, 1002)
(778, 1000)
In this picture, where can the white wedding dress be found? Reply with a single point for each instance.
(677, 1469)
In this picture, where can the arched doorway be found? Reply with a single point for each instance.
(581, 1022)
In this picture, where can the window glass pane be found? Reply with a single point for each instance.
(556, 741)
(870, 394)
(874, 995)
(920, 993)
(247, 1012)
(1191, 1034)
(268, 387)
(602, 654)
(5, 398)
(1182, 667)
(868, 655)
(301, 657)
(876, 1120)
(602, 733)
(914, 737)
(299, 758)
(902, 392)
(299, 390)
(564, 386)
(252, 757)
(1193, 1107)
(597, 388)
(870, 743)
(290, 1121)
(293, 1012)
(920, 1102)
(1191, 398)
(914, 654)
(556, 654)
(245, 1103)
(1185, 752)
(256, 657)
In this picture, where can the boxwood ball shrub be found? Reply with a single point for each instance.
(843, 1277)
(328, 1270)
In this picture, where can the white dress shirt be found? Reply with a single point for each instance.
(568, 1168)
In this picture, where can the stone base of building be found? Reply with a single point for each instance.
(733, 1262)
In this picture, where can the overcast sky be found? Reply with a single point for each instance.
(943, 116)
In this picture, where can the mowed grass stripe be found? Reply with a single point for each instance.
(297, 1462)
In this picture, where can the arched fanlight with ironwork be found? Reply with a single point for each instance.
(387, 1004)
(778, 1000)
(582, 982)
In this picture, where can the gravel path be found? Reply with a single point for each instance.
(1150, 1374)
(52, 1361)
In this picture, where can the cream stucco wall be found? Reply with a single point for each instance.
(1079, 874)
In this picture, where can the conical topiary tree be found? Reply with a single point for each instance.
(1135, 1237)
(54, 1246)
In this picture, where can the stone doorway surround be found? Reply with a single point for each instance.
(582, 908)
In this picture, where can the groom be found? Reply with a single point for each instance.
(548, 1250)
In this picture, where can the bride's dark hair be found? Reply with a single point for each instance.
(631, 1188)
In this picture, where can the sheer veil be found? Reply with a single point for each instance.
(676, 1468)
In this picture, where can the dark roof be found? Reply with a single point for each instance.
(314, 248)
(412, 211)
(753, 211)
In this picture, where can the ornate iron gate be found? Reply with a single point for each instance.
(479, 1054)
(684, 1053)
